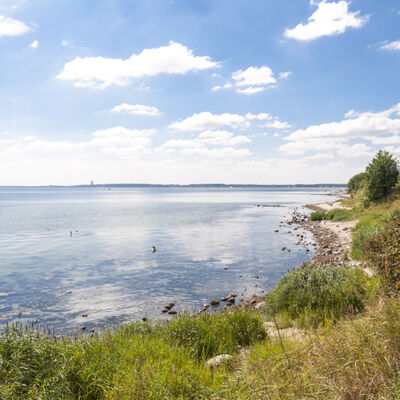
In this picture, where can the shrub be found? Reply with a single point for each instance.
(208, 335)
(356, 182)
(381, 175)
(339, 214)
(382, 251)
(369, 226)
(317, 294)
(317, 216)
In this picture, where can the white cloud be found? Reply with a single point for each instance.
(368, 126)
(392, 46)
(254, 76)
(12, 27)
(260, 117)
(250, 90)
(207, 120)
(253, 79)
(219, 87)
(355, 151)
(34, 44)
(278, 125)
(330, 18)
(356, 125)
(137, 109)
(221, 137)
(322, 156)
(102, 72)
(285, 75)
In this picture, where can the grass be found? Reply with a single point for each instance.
(317, 216)
(136, 361)
(355, 359)
(314, 295)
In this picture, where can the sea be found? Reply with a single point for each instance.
(83, 256)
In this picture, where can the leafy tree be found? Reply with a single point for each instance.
(356, 182)
(381, 175)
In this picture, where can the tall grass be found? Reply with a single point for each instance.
(320, 294)
(135, 361)
(355, 359)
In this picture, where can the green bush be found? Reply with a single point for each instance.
(317, 294)
(381, 175)
(317, 216)
(356, 182)
(339, 214)
(369, 225)
(382, 251)
(208, 335)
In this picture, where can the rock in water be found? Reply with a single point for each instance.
(215, 303)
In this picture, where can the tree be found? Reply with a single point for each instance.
(381, 175)
(356, 182)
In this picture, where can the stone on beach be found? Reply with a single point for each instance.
(215, 303)
(219, 361)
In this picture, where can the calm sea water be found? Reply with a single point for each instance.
(107, 269)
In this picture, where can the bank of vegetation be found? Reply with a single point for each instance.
(323, 333)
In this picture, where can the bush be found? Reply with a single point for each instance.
(356, 182)
(317, 216)
(317, 294)
(369, 226)
(382, 251)
(339, 214)
(381, 175)
(208, 335)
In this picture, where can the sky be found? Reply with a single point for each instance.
(196, 91)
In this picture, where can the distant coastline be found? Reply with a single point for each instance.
(199, 185)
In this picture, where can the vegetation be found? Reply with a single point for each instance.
(136, 361)
(314, 295)
(381, 175)
(356, 182)
(348, 346)
(383, 253)
(317, 216)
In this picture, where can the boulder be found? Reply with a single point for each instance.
(225, 360)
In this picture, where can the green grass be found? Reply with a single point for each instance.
(317, 216)
(314, 295)
(135, 361)
(339, 214)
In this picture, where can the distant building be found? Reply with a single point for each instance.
(91, 183)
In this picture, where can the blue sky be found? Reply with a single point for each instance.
(196, 91)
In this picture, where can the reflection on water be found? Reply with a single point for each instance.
(107, 269)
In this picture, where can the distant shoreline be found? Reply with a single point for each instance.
(200, 185)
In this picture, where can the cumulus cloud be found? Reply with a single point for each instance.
(137, 109)
(330, 18)
(103, 72)
(207, 120)
(368, 126)
(253, 79)
(391, 46)
(12, 27)
(259, 117)
(278, 125)
(34, 44)
(355, 125)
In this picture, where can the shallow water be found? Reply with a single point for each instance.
(107, 269)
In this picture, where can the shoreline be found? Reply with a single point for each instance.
(332, 241)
